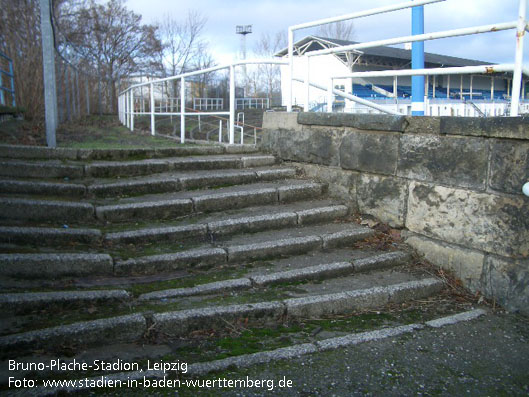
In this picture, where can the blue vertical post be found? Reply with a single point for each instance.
(12, 72)
(417, 62)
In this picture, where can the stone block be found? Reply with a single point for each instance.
(423, 125)
(289, 246)
(230, 200)
(375, 152)
(299, 192)
(458, 161)
(465, 264)
(496, 127)
(382, 197)
(312, 145)
(491, 223)
(507, 282)
(376, 122)
(145, 210)
(509, 168)
(281, 120)
(341, 183)
(45, 210)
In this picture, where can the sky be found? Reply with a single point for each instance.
(271, 16)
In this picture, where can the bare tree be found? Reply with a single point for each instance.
(267, 78)
(343, 30)
(110, 37)
(20, 40)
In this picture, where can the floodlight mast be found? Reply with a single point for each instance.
(244, 30)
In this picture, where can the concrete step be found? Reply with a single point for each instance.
(190, 202)
(201, 227)
(244, 249)
(130, 328)
(186, 181)
(102, 169)
(227, 250)
(40, 152)
(159, 206)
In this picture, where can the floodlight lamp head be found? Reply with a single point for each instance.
(243, 29)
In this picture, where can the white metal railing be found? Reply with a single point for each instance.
(517, 68)
(252, 103)
(208, 103)
(127, 112)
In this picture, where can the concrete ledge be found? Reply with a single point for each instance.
(496, 127)
(45, 210)
(182, 322)
(145, 210)
(55, 265)
(247, 360)
(230, 200)
(36, 152)
(355, 339)
(42, 188)
(24, 301)
(456, 318)
(40, 169)
(306, 273)
(315, 215)
(299, 192)
(168, 262)
(51, 236)
(380, 261)
(252, 224)
(107, 330)
(157, 234)
(203, 289)
(378, 122)
(134, 187)
(345, 237)
(127, 168)
(275, 248)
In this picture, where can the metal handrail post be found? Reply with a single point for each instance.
(182, 110)
(307, 86)
(232, 105)
(220, 131)
(11, 71)
(132, 110)
(153, 122)
(290, 68)
(2, 98)
(518, 59)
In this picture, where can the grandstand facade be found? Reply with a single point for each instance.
(450, 95)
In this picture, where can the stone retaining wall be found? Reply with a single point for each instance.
(454, 185)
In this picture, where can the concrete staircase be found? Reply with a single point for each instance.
(152, 246)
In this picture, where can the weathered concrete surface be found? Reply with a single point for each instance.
(42, 188)
(466, 264)
(170, 262)
(184, 321)
(314, 145)
(283, 120)
(107, 330)
(497, 127)
(507, 281)
(509, 167)
(495, 224)
(370, 151)
(458, 161)
(380, 261)
(145, 210)
(377, 122)
(50, 169)
(382, 197)
(43, 235)
(341, 183)
(45, 210)
(275, 248)
(299, 192)
(423, 125)
(54, 265)
(209, 288)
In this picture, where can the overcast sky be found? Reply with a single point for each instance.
(276, 15)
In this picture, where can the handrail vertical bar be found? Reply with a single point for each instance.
(2, 98)
(290, 68)
(307, 86)
(220, 131)
(330, 95)
(518, 59)
(11, 71)
(153, 121)
(182, 110)
(232, 105)
(132, 110)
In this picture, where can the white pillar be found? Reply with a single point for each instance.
(307, 86)
(131, 110)
(290, 69)
(330, 95)
(518, 59)
(232, 105)
(153, 122)
(182, 110)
